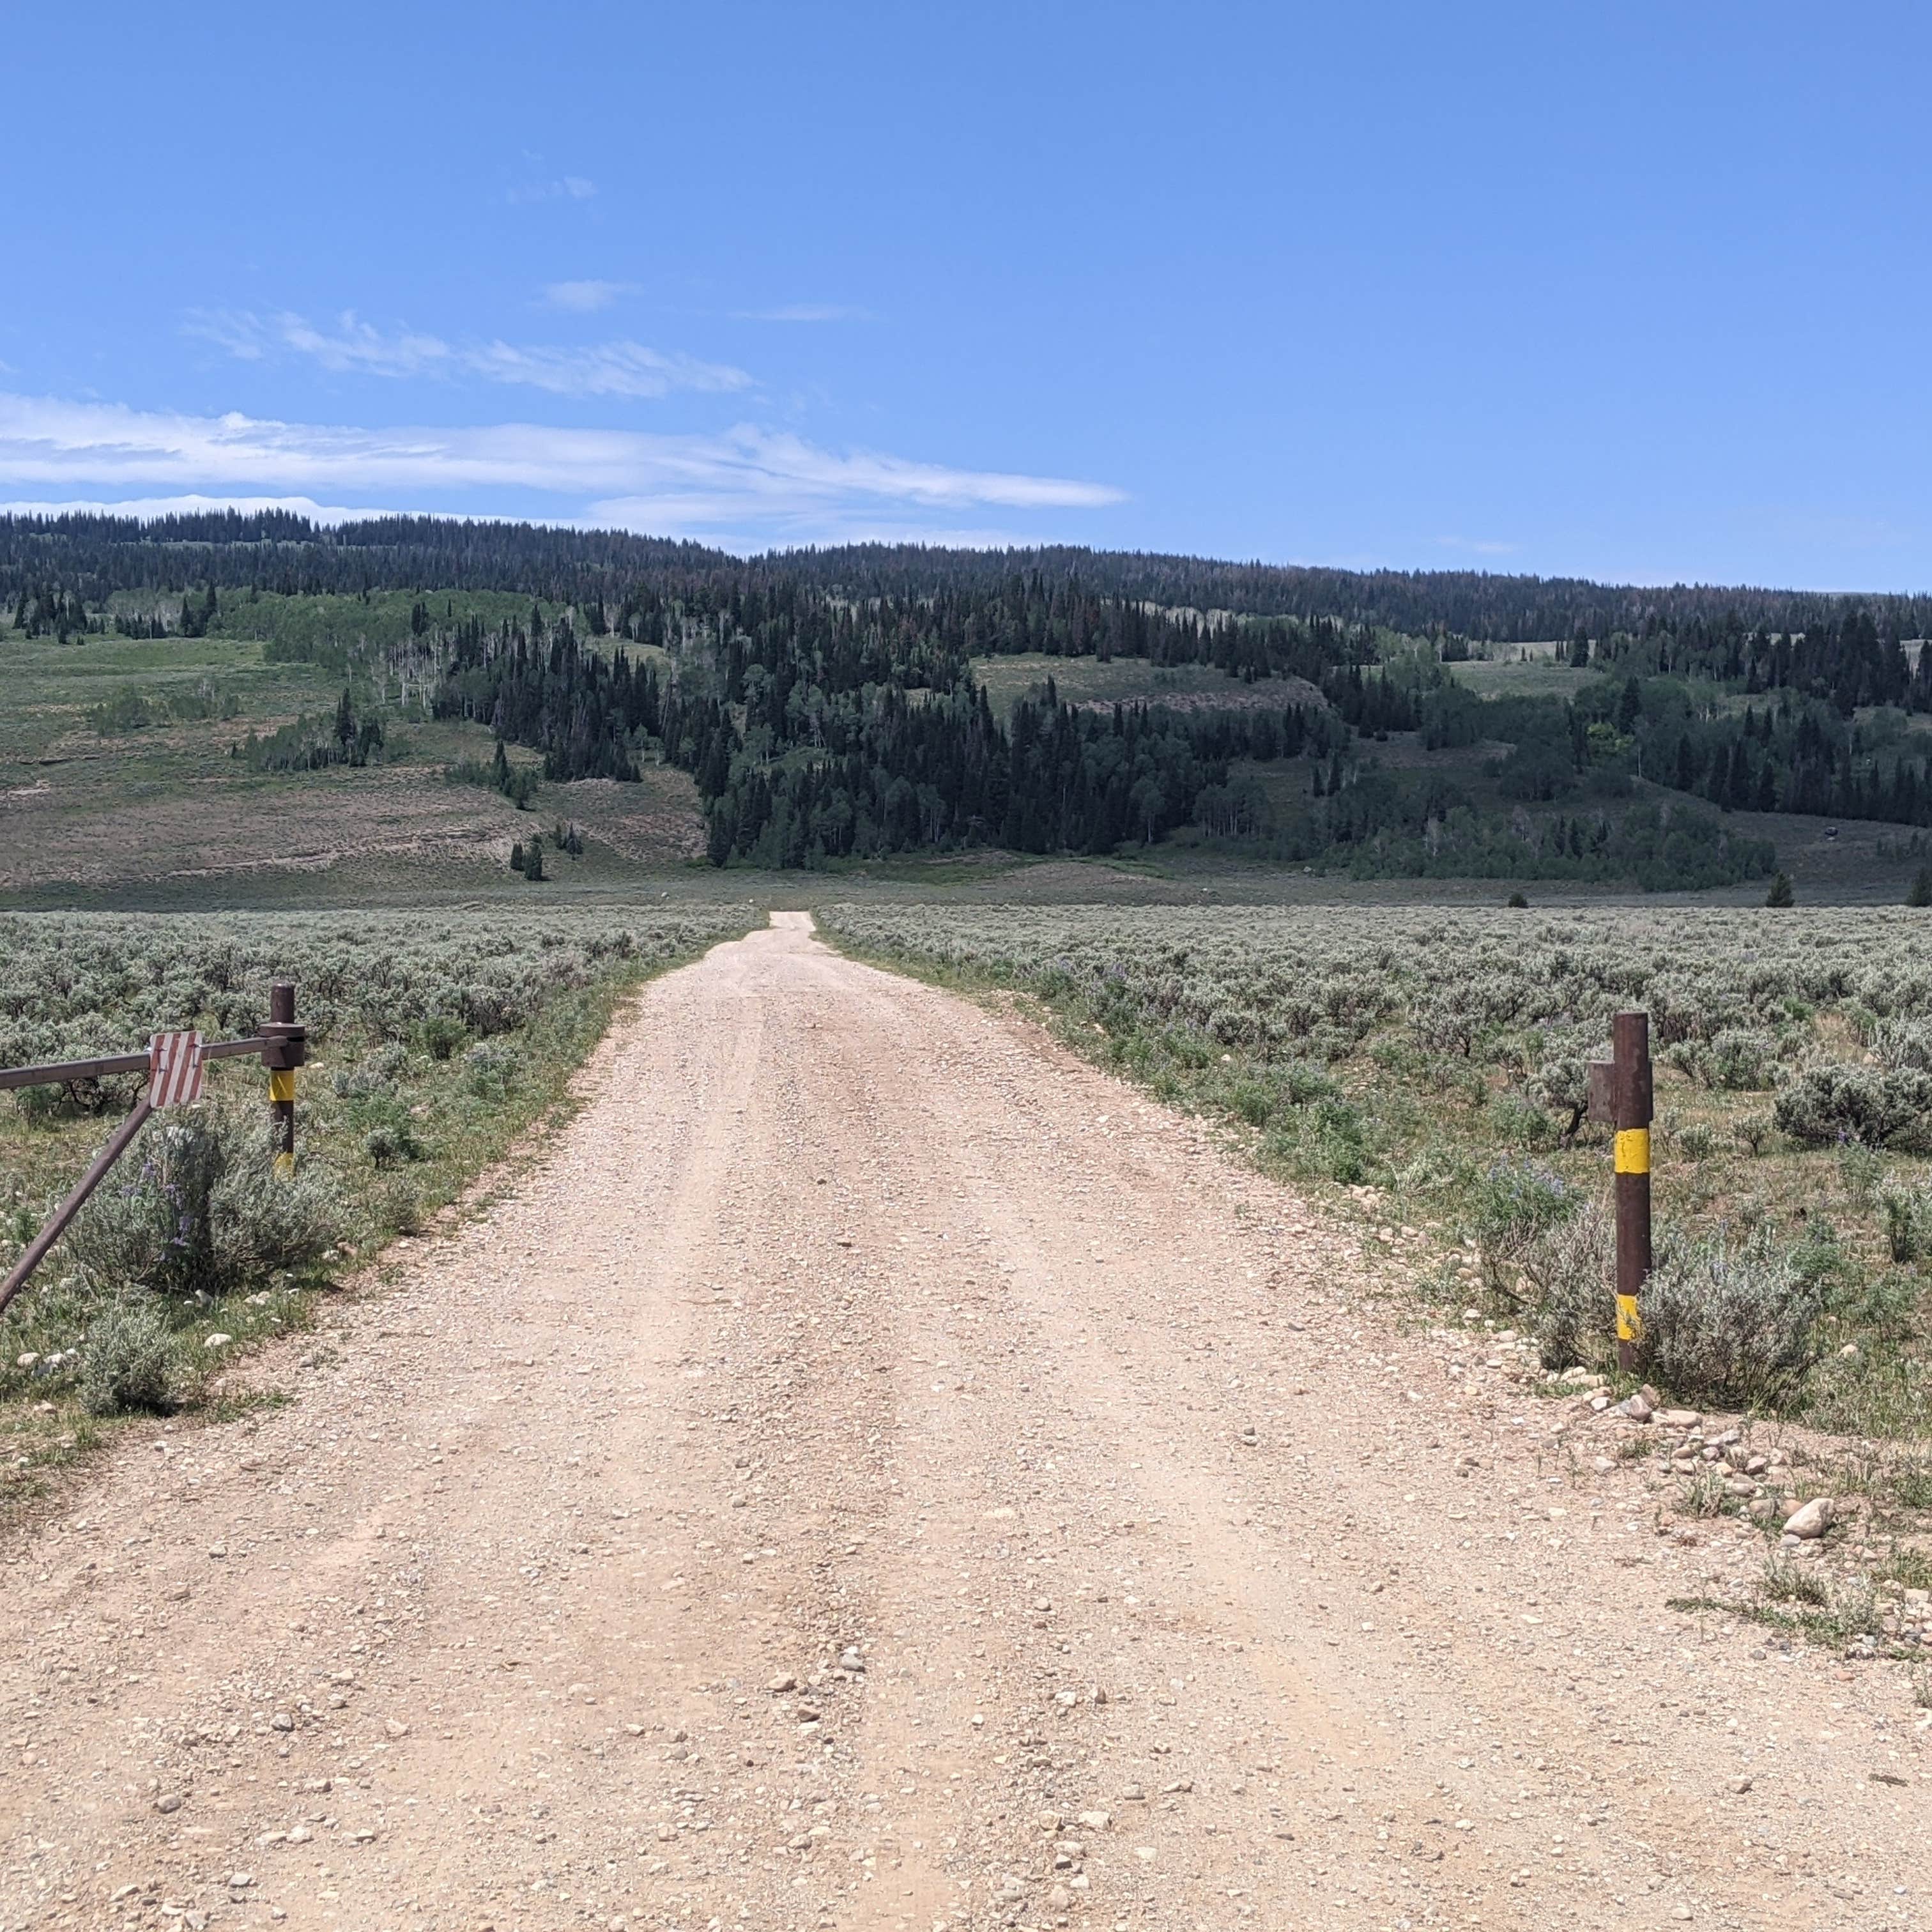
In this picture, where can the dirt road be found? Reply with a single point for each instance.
(875, 1471)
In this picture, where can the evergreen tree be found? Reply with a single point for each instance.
(1780, 893)
(533, 857)
(1919, 892)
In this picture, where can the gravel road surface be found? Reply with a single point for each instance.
(871, 1470)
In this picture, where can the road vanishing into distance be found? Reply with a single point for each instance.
(868, 1469)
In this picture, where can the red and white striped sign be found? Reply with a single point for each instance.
(174, 1070)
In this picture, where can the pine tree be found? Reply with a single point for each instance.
(516, 856)
(1919, 892)
(1780, 893)
(533, 869)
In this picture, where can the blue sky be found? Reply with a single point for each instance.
(1637, 292)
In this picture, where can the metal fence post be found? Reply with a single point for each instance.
(1629, 1038)
(282, 1053)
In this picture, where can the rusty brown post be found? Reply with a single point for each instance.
(282, 1052)
(1630, 1039)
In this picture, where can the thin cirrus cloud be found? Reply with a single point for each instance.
(584, 298)
(746, 486)
(802, 312)
(353, 347)
(1479, 546)
(563, 187)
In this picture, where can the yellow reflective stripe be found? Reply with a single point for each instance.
(285, 1164)
(1629, 1324)
(1633, 1149)
(282, 1084)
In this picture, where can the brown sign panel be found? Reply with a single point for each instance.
(1603, 1102)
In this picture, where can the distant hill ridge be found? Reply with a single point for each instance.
(93, 555)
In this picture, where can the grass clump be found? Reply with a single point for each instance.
(1908, 1222)
(1785, 1582)
(129, 1359)
(1704, 1495)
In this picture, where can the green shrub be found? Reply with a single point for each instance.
(1904, 1044)
(39, 1104)
(127, 1360)
(1513, 1203)
(1302, 1083)
(1908, 1222)
(442, 1036)
(1738, 1058)
(1840, 1101)
(149, 1224)
(1561, 1085)
(1730, 1321)
(391, 1143)
(265, 1222)
(1512, 1120)
(1862, 1171)
(196, 1208)
(488, 1068)
(1570, 1267)
(1252, 1101)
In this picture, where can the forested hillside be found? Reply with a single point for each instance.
(92, 555)
(826, 706)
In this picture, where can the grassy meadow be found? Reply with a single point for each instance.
(122, 783)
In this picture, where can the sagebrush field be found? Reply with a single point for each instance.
(1434, 1062)
(435, 1041)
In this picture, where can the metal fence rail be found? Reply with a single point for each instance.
(281, 1046)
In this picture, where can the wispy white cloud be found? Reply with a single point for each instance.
(750, 483)
(563, 187)
(355, 347)
(604, 369)
(1479, 546)
(802, 312)
(584, 298)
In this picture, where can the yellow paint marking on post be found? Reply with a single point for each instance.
(282, 1084)
(285, 1164)
(1629, 1323)
(1633, 1149)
